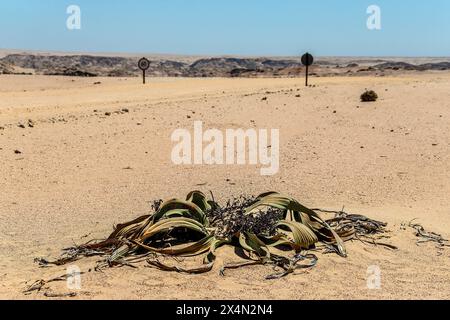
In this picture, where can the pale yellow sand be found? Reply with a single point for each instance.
(69, 184)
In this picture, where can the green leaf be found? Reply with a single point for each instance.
(198, 198)
(303, 236)
(195, 212)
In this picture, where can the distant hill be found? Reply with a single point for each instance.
(6, 68)
(126, 66)
(409, 66)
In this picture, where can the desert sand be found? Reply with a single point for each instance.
(86, 165)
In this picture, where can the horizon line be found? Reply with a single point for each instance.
(137, 54)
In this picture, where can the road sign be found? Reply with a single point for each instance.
(143, 64)
(307, 60)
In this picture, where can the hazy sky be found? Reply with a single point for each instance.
(242, 27)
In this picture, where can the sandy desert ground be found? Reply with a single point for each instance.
(80, 171)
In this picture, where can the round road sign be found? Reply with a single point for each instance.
(307, 59)
(144, 64)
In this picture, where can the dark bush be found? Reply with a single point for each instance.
(369, 96)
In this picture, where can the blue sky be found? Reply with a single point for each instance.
(233, 27)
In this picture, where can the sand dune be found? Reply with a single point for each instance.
(63, 180)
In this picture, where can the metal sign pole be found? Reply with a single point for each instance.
(307, 60)
(307, 73)
(143, 64)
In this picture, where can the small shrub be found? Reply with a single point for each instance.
(369, 96)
